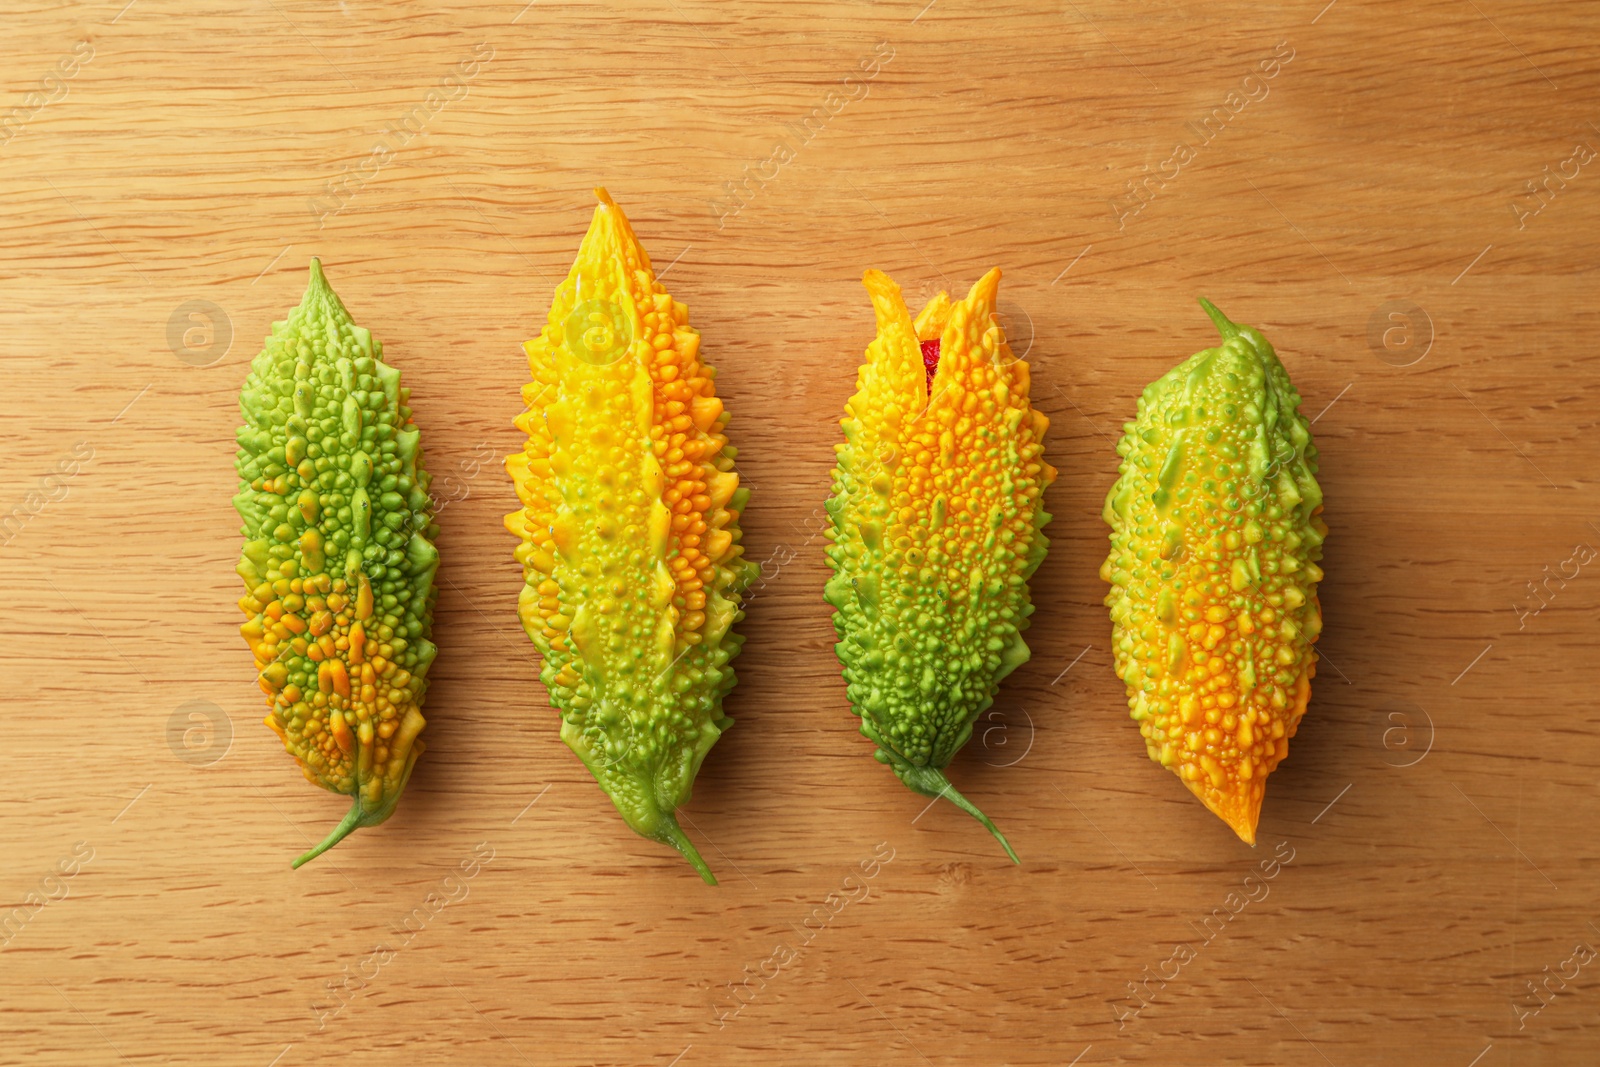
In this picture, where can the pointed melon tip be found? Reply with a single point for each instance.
(1225, 325)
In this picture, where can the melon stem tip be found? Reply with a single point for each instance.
(1225, 326)
(931, 782)
(679, 840)
(350, 822)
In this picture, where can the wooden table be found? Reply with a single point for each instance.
(1354, 180)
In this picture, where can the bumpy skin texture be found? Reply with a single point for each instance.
(338, 559)
(937, 526)
(1216, 531)
(633, 571)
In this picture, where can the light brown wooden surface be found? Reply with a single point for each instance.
(1436, 869)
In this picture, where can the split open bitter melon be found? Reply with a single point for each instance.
(1216, 530)
(338, 558)
(937, 526)
(633, 570)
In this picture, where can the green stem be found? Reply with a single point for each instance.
(672, 834)
(353, 820)
(1225, 325)
(359, 817)
(931, 782)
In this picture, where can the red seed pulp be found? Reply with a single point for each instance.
(930, 358)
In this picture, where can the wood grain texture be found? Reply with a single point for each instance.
(1439, 803)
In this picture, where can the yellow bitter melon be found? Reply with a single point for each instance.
(338, 560)
(938, 523)
(1216, 531)
(633, 570)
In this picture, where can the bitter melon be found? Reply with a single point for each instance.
(338, 560)
(937, 525)
(1216, 531)
(632, 563)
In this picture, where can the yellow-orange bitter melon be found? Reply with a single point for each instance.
(938, 523)
(1216, 530)
(633, 570)
(338, 560)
